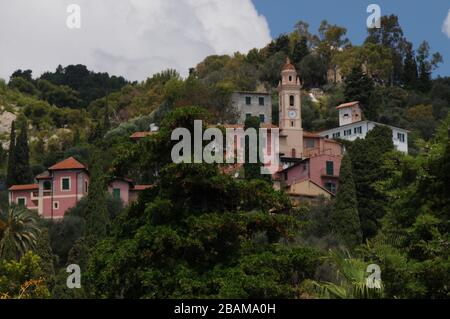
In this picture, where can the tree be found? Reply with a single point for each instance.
(345, 218)
(23, 279)
(312, 71)
(359, 87)
(302, 30)
(367, 166)
(410, 76)
(300, 50)
(349, 280)
(97, 216)
(11, 171)
(426, 65)
(390, 35)
(23, 174)
(18, 232)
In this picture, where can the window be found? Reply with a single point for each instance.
(248, 100)
(291, 100)
(65, 184)
(262, 118)
(47, 185)
(336, 135)
(292, 123)
(21, 201)
(248, 115)
(55, 205)
(261, 101)
(358, 130)
(290, 78)
(347, 132)
(401, 137)
(293, 152)
(346, 115)
(327, 136)
(116, 193)
(331, 187)
(310, 143)
(330, 168)
(86, 186)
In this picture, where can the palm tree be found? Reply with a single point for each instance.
(18, 232)
(350, 282)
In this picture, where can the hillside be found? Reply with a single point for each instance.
(192, 231)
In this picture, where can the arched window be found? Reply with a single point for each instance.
(291, 100)
(290, 78)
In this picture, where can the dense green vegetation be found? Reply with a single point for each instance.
(199, 233)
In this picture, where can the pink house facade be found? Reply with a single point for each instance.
(62, 186)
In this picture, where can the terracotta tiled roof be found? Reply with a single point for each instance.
(349, 104)
(68, 163)
(288, 65)
(24, 187)
(139, 135)
(141, 187)
(44, 175)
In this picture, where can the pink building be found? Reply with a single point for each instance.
(62, 186)
(318, 172)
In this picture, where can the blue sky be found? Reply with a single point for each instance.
(420, 20)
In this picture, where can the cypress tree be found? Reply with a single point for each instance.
(300, 50)
(23, 172)
(367, 158)
(11, 171)
(97, 216)
(359, 87)
(344, 215)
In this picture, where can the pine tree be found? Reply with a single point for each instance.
(300, 50)
(359, 87)
(344, 216)
(23, 174)
(410, 75)
(10, 175)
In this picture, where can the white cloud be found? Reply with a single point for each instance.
(134, 38)
(446, 25)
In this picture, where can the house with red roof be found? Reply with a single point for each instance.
(62, 186)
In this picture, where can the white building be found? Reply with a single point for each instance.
(351, 127)
(247, 104)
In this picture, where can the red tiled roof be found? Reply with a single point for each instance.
(349, 104)
(44, 175)
(141, 187)
(24, 187)
(69, 163)
(139, 135)
(288, 65)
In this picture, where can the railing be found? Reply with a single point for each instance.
(324, 173)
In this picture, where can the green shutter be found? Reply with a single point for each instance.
(65, 184)
(21, 201)
(330, 168)
(116, 193)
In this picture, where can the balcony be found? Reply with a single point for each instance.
(325, 173)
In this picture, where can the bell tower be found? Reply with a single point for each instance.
(290, 119)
